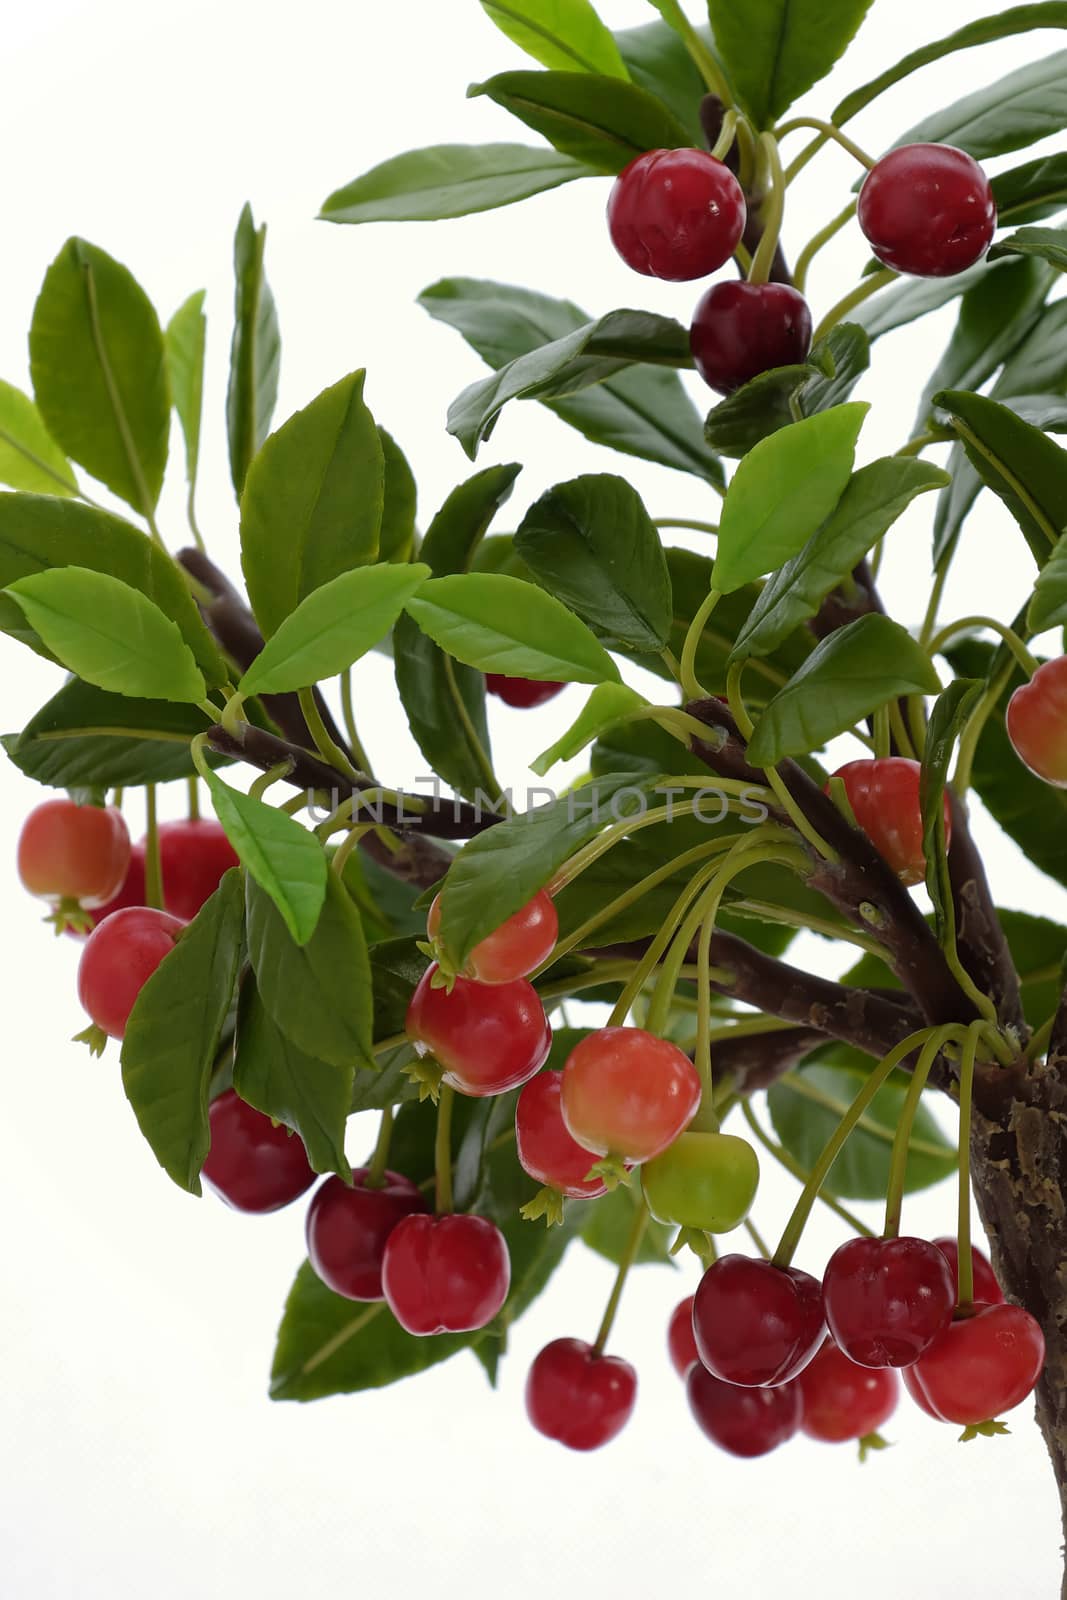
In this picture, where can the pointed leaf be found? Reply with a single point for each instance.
(602, 121)
(608, 703)
(1014, 112)
(29, 457)
(774, 50)
(281, 856)
(450, 180)
(994, 318)
(1048, 608)
(658, 61)
(399, 498)
(785, 394)
(566, 34)
(1021, 464)
(255, 351)
(1049, 244)
(185, 341)
(1033, 191)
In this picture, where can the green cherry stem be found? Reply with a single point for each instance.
(792, 1166)
(193, 790)
(685, 522)
(829, 131)
(327, 748)
(349, 715)
(785, 799)
(965, 1290)
(629, 1256)
(849, 302)
(275, 774)
(687, 669)
(961, 778)
(705, 1121)
(772, 177)
(1023, 656)
(818, 240)
(348, 844)
(898, 1162)
(905, 743)
(923, 441)
(757, 1239)
(442, 1151)
(375, 1178)
(153, 870)
(721, 148)
(883, 739)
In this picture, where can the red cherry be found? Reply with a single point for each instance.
(1037, 722)
(194, 856)
(119, 958)
(132, 893)
(884, 796)
(253, 1164)
(521, 692)
(843, 1401)
(676, 214)
(927, 209)
(742, 329)
(514, 949)
(487, 1037)
(887, 1299)
(744, 1422)
(986, 1287)
(577, 1397)
(545, 1149)
(681, 1344)
(347, 1229)
(445, 1274)
(627, 1094)
(71, 854)
(984, 1363)
(756, 1324)
(911, 1383)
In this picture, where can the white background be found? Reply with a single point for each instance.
(142, 1456)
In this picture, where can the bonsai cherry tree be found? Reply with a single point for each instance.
(316, 942)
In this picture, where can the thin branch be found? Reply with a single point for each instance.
(982, 945)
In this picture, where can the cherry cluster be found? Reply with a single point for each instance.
(925, 209)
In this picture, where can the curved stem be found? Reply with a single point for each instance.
(705, 1120)
(829, 131)
(375, 1178)
(629, 1256)
(687, 669)
(774, 781)
(798, 163)
(355, 744)
(328, 748)
(818, 240)
(685, 522)
(961, 778)
(771, 172)
(794, 1167)
(1023, 656)
(898, 1164)
(442, 1151)
(721, 148)
(849, 302)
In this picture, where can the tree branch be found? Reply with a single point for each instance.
(980, 939)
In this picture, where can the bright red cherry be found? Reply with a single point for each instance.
(706, 1181)
(756, 1324)
(676, 214)
(884, 796)
(744, 1422)
(487, 1037)
(545, 1149)
(986, 1287)
(522, 693)
(74, 856)
(911, 1383)
(132, 893)
(628, 1094)
(843, 1401)
(119, 958)
(887, 1300)
(1037, 722)
(347, 1228)
(254, 1164)
(742, 329)
(514, 949)
(445, 1274)
(927, 209)
(578, 1397)
(681, 1345)
(194, 856)
(984, 1363)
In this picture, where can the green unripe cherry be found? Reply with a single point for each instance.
(706, 1181)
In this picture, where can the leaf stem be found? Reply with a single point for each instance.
(770, 174)
(327, 748)
(818, 240)
(691, 685)
(829, 131)
(898, 1162)
(442, 1151)
(1023, 656)
(849, 302)
(153, 868)
(629, 1256)
(348, 713)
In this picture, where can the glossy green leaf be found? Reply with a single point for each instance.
(608, 703)
(255, 351)
(601, 121)
(1016, 111)
(85, 738)
(807, 1105)
(30, 459)
(185, 341)
(399, 500)
(1048, 608)
(785, 394)
(282, 857)
(273, 1074)
(110, 634)
(99, 375)
(1048, 244)
(913, 298)
(564, 34)
(658, 61)
(332, 627)
(1022, 465)
(1033, 191)
(642, 411)
(1039, 364)
(873, 500)
(174, 1032)
(851, 673)
(312, 503)
(994, 318)
(501, 624)
(450, 180)
(318, 992)
(592, 544)
(947, 721)
(774, 50)
(781, 492)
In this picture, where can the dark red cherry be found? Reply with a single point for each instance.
(681, 1343)
(347, 1228)
(887, 1299)
(194, 856)
(742, 1421)
(445, 1274)
(676, 214)
(986, 1287)
(742, 329)
(927, 209)
(254, 1164)
(521, 692)
(756, 1324)
(843, 1401)
(578, 1397)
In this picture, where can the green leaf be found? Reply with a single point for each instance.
(1039, 364)
(1049, 244)
(566, 34)
(851, 673)
(501, 624)
(85, 738)
(1033, 191)
(804, 1122)
(312, 503)
(601, 121)
(30, 459)
(1021, 464)
(947, 721)
(592, 544)
(658, 61)
(874, 498)
(609, 1223)
(255, 351)
(39, 533)
(332, 627)
(1048, 608)
(450, 180)
(642, 411)
(783, 489)
(318, 992)
(915, 297)
(109, 634)
(174, 1032)
(774, 50)
(184, 342)
(281, 856)
(786, 394)
(399, 501)
(99, 375)
(310, 1096)
(608, 703)
(1016, 111)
